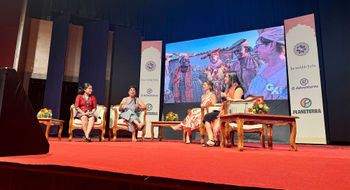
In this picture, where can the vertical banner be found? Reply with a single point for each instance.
(150, 76)
(304, 79)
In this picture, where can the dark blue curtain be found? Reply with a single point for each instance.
(55, 72)
(126, 62)
(94, 57)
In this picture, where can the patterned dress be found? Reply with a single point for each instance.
(193, 120)
(130, 113)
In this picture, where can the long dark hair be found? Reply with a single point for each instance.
(210, 84)
(233, 78)
(84, 87)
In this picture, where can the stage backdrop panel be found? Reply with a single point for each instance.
(20, 130)
(150, 76)
(304, 79)
(54, 80)
(94, 58)
(125, 69)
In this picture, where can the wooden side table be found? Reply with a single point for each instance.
(252, 119)
(49, 123)
(162, 124)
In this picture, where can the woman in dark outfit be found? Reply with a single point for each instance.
(211, 120)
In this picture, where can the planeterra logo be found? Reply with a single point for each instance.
(149, 110)
(306, 103)
(149, 107)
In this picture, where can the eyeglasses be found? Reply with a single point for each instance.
(262, 41)
(237, 50)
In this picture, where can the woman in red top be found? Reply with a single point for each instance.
(85, 104)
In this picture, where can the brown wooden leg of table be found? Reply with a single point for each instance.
(184, 135)
(160, 133)
(202, 132)
(152, 132)
(262, 136)
(240, 134)
(269, 135)
(60, 131)
(223, 134)
(293, 133)
(47, 130)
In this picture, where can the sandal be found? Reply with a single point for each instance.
(217, 143)
(86, 139)
(209, 145)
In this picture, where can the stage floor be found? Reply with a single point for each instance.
(311, 167)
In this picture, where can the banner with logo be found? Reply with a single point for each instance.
(304, 79)
(150, 76)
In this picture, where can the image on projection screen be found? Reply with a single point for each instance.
(258, 56)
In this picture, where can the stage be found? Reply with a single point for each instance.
(172, 164)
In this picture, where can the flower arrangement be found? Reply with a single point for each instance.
(259, 107)
(171, 116)
(44, 114)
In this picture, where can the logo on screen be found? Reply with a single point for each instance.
(301, 49)
(149, 91)
(149, 107)
(304, 81)
(305, 102)
(150, 66)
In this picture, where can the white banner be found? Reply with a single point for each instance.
(150, 76)
(304, 79)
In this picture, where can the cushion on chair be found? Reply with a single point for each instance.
(99, 113)
(78, 122)
(258, 126)
(214, 107)
(111, 116)
(122, 122)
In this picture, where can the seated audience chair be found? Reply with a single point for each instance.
(100, 124)
(204, 110)
(241, 106)
(116, 124)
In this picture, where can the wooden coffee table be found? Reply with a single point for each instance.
(162, 124)
(252, 119)
(49, 123)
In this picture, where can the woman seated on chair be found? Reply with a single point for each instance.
(193, 120)
(234, 90)
(130, 108)
(85, 104)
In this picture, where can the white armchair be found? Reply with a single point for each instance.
(241, 106)
(100, 124)
(116, 124)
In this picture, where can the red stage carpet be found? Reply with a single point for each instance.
(311, 167)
